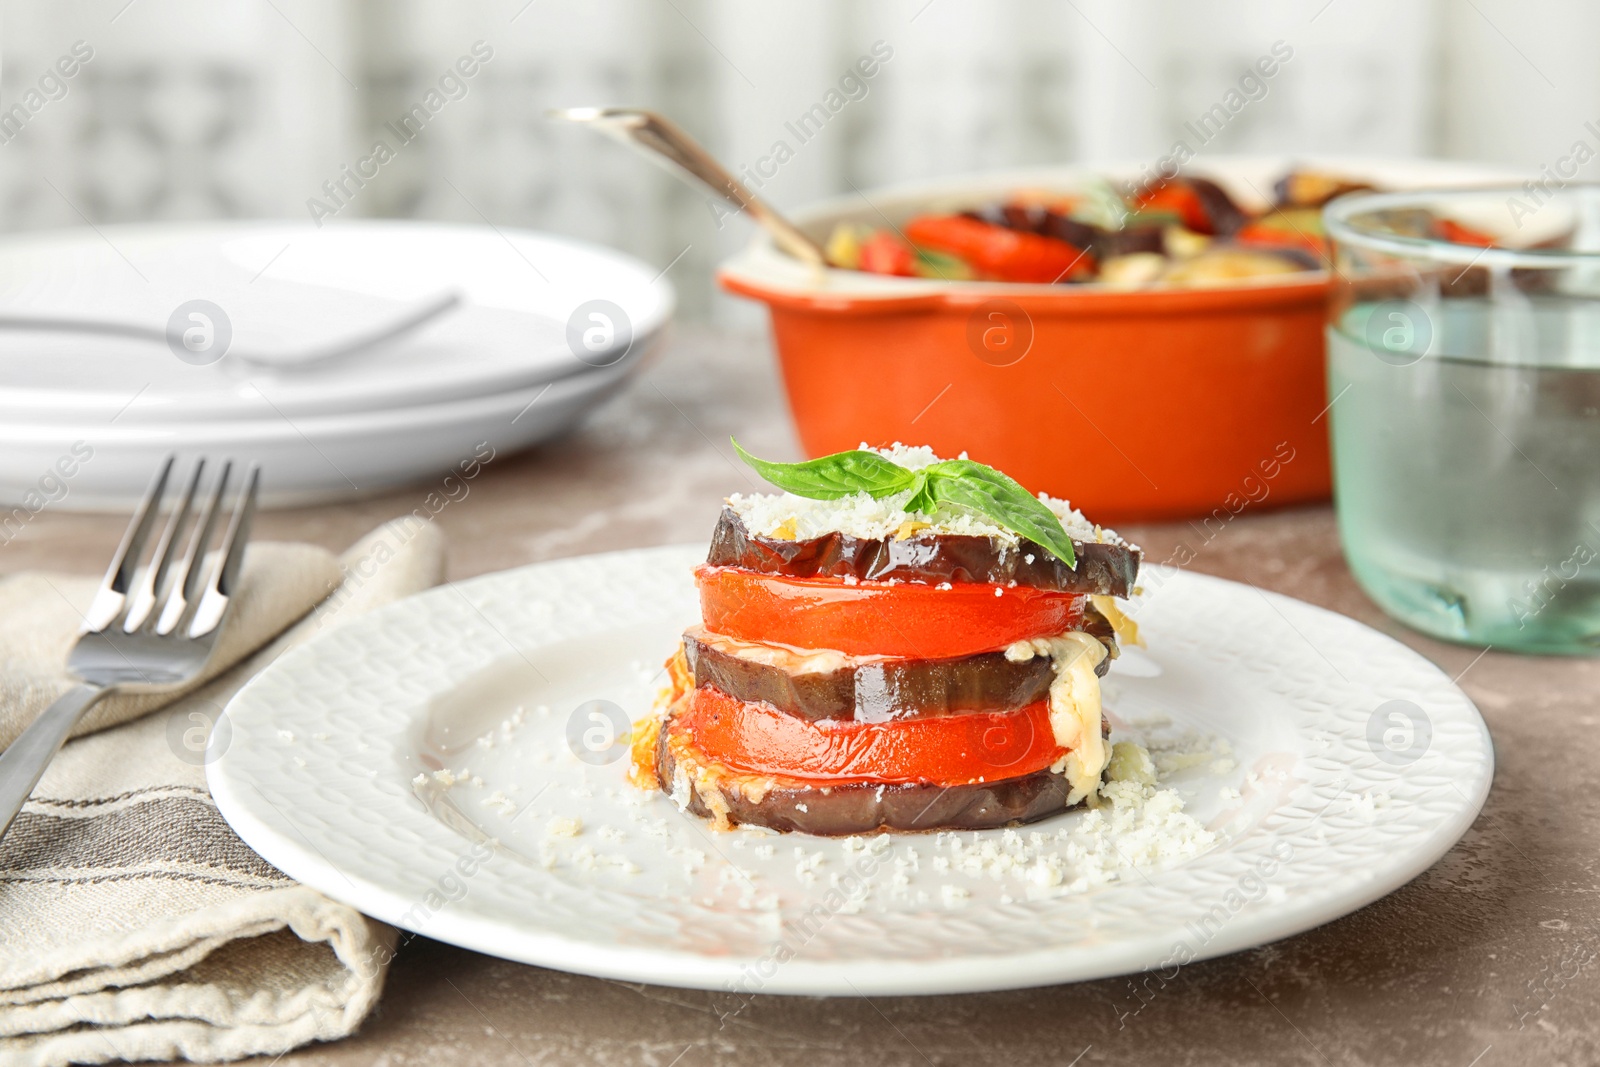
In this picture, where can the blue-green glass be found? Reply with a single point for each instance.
(1465, 390)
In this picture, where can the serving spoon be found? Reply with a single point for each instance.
(665, 143)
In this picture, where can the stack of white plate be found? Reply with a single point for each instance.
(238, 321)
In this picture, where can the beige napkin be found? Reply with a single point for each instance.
(134, 924)
(40, 615)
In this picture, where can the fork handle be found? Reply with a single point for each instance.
(23, 763)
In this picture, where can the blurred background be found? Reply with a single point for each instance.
(228, 108)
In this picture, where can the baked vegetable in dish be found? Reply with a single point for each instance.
(897, 642)
(1178, 231)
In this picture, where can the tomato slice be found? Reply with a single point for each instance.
(903, 620)
(757, 738)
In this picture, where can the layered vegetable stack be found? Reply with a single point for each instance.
(898, 642)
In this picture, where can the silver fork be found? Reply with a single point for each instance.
(126, 645)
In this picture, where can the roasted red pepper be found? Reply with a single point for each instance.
(1001, 254)
(1287, 228)
(1179, 199)
(1453, 231)
(884, 253)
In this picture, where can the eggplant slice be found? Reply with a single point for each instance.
(1103, 568)
(1227, 218)
(891, 691)
(840, 811)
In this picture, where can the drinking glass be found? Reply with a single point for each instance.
(1464, 381)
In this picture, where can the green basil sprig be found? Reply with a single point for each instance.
(958, 483)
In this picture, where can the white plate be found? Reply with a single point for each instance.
(322, 748)
(518, 287)
(305, 459)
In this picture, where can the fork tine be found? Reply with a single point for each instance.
(181, 597)
(112, 594)
(143, 600)
(230, 554)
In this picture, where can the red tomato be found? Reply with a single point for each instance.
(998, 252)
(905, 620)
(884, 253)
(951, 750)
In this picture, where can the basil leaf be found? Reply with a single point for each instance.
(921, 500)
(965, 483)
(960, 483)
(831, 477)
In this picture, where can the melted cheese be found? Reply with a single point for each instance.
(1074, 706)
(694, 776)
(647, 732)
(642, 752)
(786, 657)
(1126, 629)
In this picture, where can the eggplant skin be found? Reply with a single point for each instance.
(1226, 216)
(842, 811)
(878, 692)
(1103, 569)
(892, 691)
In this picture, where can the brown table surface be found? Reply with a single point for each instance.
(1488, 958)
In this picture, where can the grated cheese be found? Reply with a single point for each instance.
(1365, 806)
(1135, 824)
(1130, 763)
(500, 802)
(564, 827)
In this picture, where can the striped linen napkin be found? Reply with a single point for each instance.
(134, 924)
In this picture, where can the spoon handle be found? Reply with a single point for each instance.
(663, 140)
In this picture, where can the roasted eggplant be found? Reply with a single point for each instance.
(1105, 568)
(863, 808)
